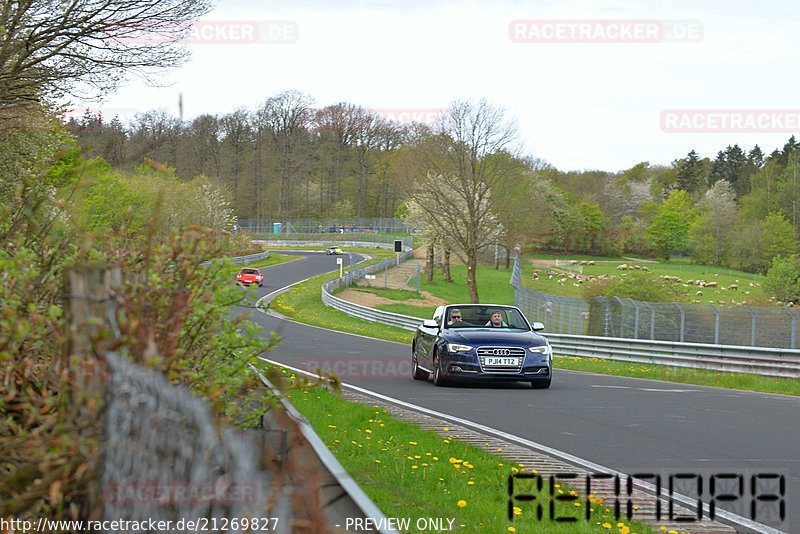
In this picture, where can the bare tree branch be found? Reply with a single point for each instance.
(50, 48)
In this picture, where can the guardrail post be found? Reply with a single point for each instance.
(716, 324)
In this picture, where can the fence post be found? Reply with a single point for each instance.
(716, 324)
(752, 327)
(652, 320)
(794, 326)
(87, 291)
(89, 316)
(683, 321)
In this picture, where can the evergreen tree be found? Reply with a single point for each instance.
(690, 172)
(731, 165)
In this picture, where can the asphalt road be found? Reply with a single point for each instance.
(627, 424)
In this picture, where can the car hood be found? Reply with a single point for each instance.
(485, 336)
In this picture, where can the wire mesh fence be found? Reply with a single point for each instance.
(331, 226)
(665, 321)
(166, 459)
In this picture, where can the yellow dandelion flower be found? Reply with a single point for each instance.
(462, 503)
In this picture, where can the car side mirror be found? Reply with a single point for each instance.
(537, 326)
(430, 323)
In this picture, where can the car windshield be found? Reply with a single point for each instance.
(485, 316)
(249, 271)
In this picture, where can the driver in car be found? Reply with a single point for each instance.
(496, 320)
(455, 318)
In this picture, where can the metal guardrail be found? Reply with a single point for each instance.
(372, 315)
(726, 358)
(345, 500)
(242, 260)
(329, 243)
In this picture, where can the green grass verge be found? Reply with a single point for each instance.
(303, 303)
(701, 377)
(416, 474)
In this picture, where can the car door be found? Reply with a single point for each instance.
(427, 339)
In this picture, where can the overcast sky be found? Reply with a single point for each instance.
(590, 87)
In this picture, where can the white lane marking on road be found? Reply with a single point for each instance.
(576, 460)
(665, 390)
(668, 390)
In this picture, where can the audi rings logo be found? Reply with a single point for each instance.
(501, 352)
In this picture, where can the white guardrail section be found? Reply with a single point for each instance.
(725, 358)
(242, 260)
(322, 243)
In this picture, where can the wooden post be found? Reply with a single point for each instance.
(87, 292)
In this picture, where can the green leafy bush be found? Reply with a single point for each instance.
(783, 279)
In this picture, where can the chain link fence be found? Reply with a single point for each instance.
(165, 459)
(364, 225)
(665, 321)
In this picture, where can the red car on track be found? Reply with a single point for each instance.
(249, 275)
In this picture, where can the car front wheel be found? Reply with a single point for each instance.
(438, 376)
(541, 384)
(416, 372)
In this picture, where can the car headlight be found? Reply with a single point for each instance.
(541, 349)
(455, 347)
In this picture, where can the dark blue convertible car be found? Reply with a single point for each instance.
(481, 341)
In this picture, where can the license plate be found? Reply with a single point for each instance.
(502, 362)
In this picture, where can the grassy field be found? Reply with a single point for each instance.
(749, 284)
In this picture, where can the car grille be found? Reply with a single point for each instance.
(505, 352)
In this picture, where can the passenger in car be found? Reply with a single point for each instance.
(496, 320)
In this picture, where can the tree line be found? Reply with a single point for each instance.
(284, 159)
(289, 159)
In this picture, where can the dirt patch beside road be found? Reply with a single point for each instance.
(371, 300)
